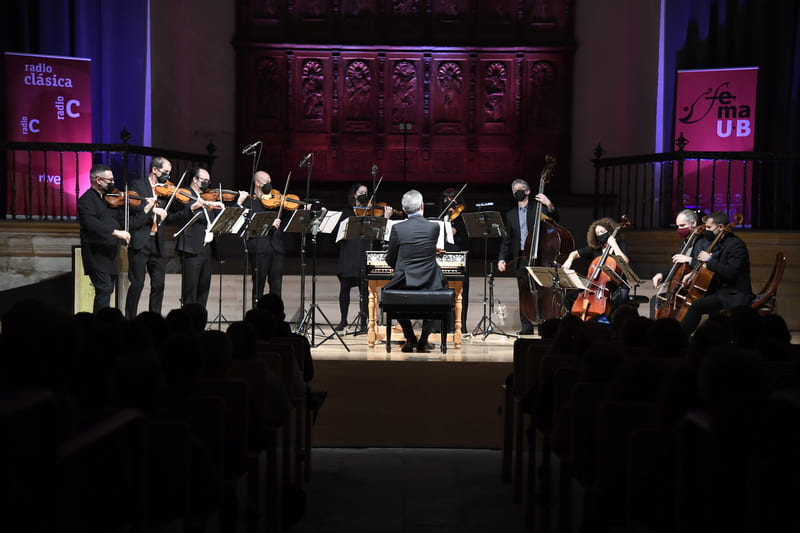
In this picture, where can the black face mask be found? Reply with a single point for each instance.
(519, 195)
(164, 177)
(602, 239)
(361, 198)
(709, 235)
(204, 185)
(266, 188)
(110, 187)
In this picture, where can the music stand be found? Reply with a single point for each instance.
(631, 280)
(228, 222)
(557, 279)
(486, 225)
(361, 228)
(313, 222)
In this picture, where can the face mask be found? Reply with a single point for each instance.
(519, 195)
(266, 188)
(204, 185)
(602, 239)
(361, 198)
(109, 187)
(164, 177)
(709, 235)
(684, 232)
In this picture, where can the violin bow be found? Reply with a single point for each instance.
(171, 198)
(452, 201)
(283, 199)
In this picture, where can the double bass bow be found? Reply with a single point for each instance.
(595, 300)
(548, 244)
(696, 283)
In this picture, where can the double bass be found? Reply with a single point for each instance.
(547, 245)
(666, 304)
(595, 300)
(699, 279)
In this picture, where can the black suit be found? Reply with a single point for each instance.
(266, 255)
(512, 247)
(195, 255)
(145, 254)
(412, 254)
(99, 248)
(730, 287)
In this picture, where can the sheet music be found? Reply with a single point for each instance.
(329, 222)
(445, 231)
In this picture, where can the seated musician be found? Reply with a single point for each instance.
(730, 262)
(598, 237)
(412, 254)
(460, 244)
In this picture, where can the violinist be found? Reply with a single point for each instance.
(454, 207)
(598, 237)
(266, 255)
(146, 249)
(352, 259)
(102, 233)
(191, 246)
(730, 263)
(686, 223)
(519, 221)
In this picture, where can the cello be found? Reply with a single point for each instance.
(548, 244)
(595, 300)
(666, 305)
(699, 279)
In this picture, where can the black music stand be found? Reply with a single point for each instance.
(228, 222)
(361, 228)
(486, 225)
(629, 279)
(557, 279)
(312, 222)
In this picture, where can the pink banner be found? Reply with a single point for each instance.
(715, 110)
(48, 99)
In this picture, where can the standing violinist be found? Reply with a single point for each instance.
(352, 258)
(519, 221)
(686, 223)
(102, 234)
(730, 262)
(599, 237)
(265, 253)
(193, 245)
(454, 207)
(146, 249)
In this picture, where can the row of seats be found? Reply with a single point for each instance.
(615, 452)
(189, 464)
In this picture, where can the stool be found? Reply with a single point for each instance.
(420, 303)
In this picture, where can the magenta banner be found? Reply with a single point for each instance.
(48, 99)
(715, 110)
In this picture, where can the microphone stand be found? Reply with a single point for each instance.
(309, 164)
(246, 269)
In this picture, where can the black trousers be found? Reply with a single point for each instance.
(196, 278)
(408, 330)
(267, 266)
(345, 284)
(104, 284)
(148, 260)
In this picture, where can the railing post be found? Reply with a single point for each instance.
(125, 135)
(681, 143)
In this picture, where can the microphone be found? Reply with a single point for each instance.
(374, 170)
(250, 148)
(318, 221)
(485, 204)
(306, 159)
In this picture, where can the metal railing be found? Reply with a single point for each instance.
(34, 174)
(652, 188)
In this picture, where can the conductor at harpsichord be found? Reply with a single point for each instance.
(412, 254)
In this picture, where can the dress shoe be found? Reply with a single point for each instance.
(408, 347)
(341, 326)
(424, 347)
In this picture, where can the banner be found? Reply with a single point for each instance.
(715, 110)
(48, 99)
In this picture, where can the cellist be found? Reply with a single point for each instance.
(599, 236)
(519, 221)
(730, 262)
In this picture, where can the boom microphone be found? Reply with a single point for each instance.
(318, 221)
(250, 148)
(306, 159)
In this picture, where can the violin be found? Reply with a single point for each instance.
(378, 210)
(595, 300)
(116, 198)
(164, 189)
(454, 212)
(275, 200)
(214, 195)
